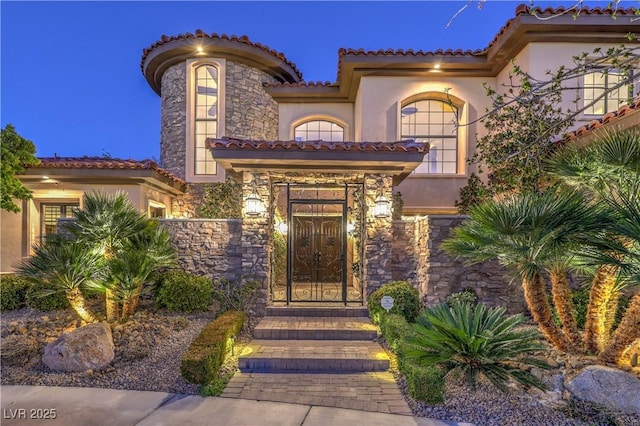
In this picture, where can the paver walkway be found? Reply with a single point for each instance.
(375, 391)
(320, 357)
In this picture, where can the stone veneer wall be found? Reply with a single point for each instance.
(418, 259)
(378, 247)
(250, 112)
(208, 247)
(173, 126)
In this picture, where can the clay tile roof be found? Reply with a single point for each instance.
(201, 34)
(302, 84)
(103, 163)
(399, 146)
(606, 119)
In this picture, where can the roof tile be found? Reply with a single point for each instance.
(104, 163)
(318, 145)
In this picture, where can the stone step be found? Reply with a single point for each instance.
(320, 311)
(329, 356)
(315, 328)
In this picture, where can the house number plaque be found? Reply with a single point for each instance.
(387, 303)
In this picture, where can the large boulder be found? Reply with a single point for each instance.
(85, 348)
(607, 386)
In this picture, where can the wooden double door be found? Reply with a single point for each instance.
(317, 251)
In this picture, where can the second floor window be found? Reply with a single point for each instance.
(206, 118)
(603, 92)
(319, 130)
(433, 122)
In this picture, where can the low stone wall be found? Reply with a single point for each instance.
(208, 247)
(418, 259)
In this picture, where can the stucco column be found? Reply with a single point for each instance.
(256, 237)
(378, 234)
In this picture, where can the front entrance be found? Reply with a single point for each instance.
(317, 248)
(316, 254)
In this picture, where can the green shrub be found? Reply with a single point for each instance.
(476, 340)
(394, 328)
(234, 295)
(205, 355)
(181, 291)
(467, 295)
(406, 301)
(42, 297)
(13, 292)
(425, 383)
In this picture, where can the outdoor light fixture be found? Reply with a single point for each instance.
(254, 204)
(382, 206)
(282, 227)
(200, 49)
(350, 228)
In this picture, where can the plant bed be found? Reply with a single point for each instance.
(148, 349)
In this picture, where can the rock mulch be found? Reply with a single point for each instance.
(149, 347)
(148, 350)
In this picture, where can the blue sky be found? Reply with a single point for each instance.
(70, 75)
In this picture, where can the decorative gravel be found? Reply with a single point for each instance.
(148, 350)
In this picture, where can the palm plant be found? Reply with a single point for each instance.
(135, 264)
(622, 252)
(607, 172)
(106, 223)
(475, 340)
(64, 265)
(531, 234)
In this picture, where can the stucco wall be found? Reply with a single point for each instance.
(12, 246)
(378, 120)
(292, 113)
(207, 247)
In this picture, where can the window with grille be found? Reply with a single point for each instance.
(49, 215)
(604, 92)
(206, 117)
(322, 130)
(433, 122)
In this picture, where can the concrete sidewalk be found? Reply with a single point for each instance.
(31, 405)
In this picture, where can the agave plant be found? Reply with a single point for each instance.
(477, 341)
(64, 265)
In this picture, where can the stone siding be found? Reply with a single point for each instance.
(418, 259)
(208, 247)
(173, 128)
(378, 245)
(250, 112)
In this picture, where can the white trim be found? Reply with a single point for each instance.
(192, 65)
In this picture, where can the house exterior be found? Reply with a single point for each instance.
(320, 161)
(58, 185)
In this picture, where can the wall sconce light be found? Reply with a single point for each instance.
(282, 227)
(382, 206)
(350, 228)
(254, 203)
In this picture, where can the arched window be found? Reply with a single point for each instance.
(433, 121)
(319, 130)
(205, 117)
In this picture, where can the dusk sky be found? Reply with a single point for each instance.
(70, 71)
